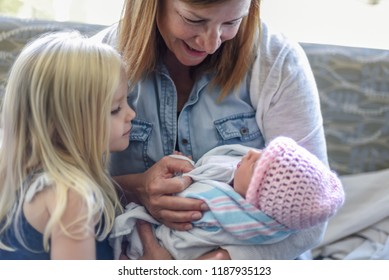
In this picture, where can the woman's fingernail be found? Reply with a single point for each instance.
(204, 207)
(188, 227)
(196, 216)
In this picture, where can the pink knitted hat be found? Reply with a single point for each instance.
(293, 186)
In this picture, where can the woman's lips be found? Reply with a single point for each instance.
(194, 52)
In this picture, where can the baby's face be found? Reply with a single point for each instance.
(245, 171)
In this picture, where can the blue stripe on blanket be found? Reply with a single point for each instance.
(228, 210)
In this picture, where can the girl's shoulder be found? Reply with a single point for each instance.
(39, 201)
(43, 198)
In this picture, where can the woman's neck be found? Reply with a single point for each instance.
(182, 78)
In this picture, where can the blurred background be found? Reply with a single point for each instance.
(362, 23)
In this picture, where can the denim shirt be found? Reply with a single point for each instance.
(203, 123)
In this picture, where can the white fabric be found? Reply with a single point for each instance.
(282, 89)
(125, 229)
(39, 184)
(360, 230)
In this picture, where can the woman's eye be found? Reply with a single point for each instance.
(235, 22)
(114, 112)
(191, 21)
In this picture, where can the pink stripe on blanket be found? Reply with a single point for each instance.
(220, 199)
(254, 234)
(262, 227)
(244, 206)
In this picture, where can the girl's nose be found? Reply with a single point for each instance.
(130, 114)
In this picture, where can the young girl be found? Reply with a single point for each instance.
(65, 108)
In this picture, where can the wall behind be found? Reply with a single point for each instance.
(339, 22)
(90, 11)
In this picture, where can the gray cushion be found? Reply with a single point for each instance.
(15, 33)
(354, 91)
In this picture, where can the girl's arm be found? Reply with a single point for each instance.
(83, 244)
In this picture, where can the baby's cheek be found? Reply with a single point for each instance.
(243, 190)
(240, 187)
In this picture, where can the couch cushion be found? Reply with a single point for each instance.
(353, 85)
(15, 33)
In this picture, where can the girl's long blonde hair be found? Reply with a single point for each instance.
(141, 45)
(56, 119)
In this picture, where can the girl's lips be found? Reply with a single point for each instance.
(127, 133)
(238, 165)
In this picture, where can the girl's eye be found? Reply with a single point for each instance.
(114, 112)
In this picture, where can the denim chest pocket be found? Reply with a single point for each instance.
(139, 142)
(140, 130)
(239, 128)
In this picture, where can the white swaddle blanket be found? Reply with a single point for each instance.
(230, 221)
(361, 228)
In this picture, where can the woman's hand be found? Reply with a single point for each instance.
(219, 254)
(151, 249)
(158, 194)
(155, 190)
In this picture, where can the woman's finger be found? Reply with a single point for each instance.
(177, 212)
(151, 249)
(146, 235)
(176, 203)
(161, 186)
(219, 254)
(175, 165)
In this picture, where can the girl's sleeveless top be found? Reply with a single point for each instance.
(33, 248)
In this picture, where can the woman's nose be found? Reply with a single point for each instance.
(210, 40)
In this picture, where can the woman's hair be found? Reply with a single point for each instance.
(141, 44)
(56, 120)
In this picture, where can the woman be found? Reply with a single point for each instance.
(206, 73)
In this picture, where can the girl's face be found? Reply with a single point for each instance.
(121, 117)
(245, 171)
(192, 33)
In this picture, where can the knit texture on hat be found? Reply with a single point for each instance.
(293, 186)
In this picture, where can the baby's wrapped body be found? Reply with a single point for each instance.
(231, 221)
